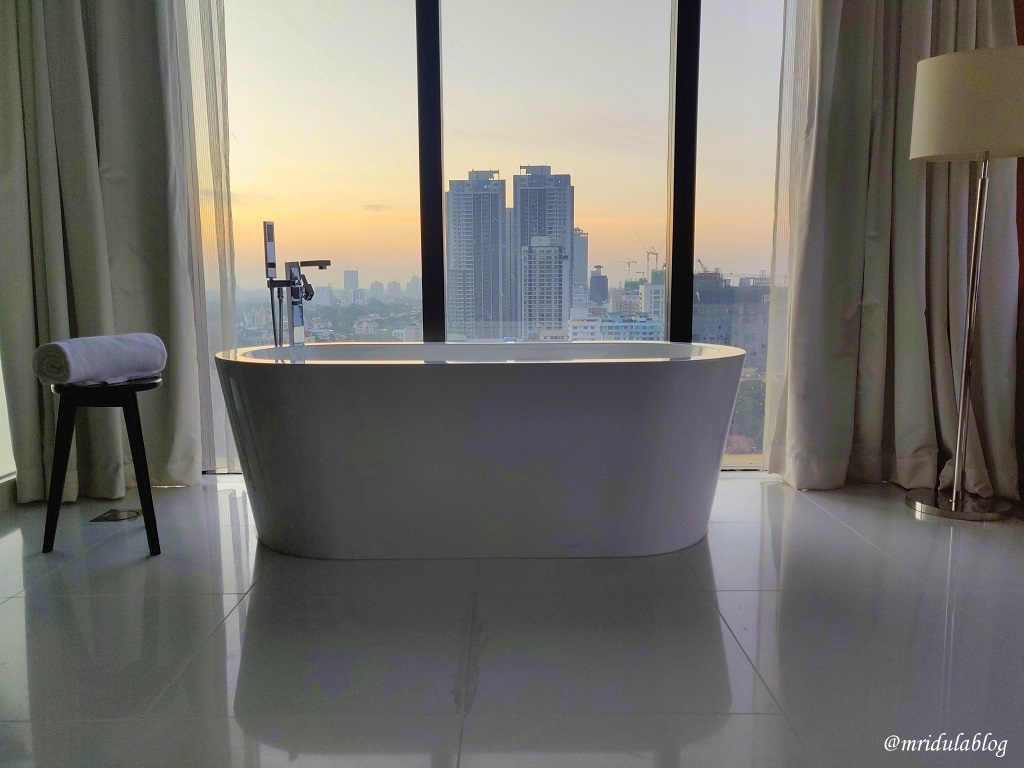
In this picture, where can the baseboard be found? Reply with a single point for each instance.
(7, 494)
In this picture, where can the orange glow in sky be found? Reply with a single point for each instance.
(322, 101)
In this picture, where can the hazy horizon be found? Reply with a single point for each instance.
(322, 103)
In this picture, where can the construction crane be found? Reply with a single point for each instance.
(629, 266)
(703, 267)
(650, 252)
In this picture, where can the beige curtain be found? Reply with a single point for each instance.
(95, 228)
(870, 259)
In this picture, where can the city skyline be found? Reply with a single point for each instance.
(324, 279)
(325, 143)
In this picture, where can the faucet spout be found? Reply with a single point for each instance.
(300, 290)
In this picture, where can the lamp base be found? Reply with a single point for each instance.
(975, 509)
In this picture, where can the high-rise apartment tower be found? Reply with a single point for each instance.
(542, 207)
(475, 210)
(546, 290)
(580, 267)
(598, 285)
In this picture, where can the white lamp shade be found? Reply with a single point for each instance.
(969, 104)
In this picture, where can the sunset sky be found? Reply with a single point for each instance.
(322, 99)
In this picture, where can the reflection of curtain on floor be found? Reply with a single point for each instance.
(870, 259)
(101, 225)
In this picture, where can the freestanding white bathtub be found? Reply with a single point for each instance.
(599, 449)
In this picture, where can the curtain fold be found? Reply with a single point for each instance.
(870, 259)
(96, 230)
(214, 265)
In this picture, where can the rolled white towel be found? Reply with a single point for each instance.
(100, 359)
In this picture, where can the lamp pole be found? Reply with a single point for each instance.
(967, 107)
(963, 411)
(958, 504)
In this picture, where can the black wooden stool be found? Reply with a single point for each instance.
(75, 396)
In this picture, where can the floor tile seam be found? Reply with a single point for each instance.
(126, 595)
(693, 571)
(248, 591)
(143, 719)
(986, 623)
(191, 524)
(833, 591)
(34, 593)
(171, 497)
(189, 658)
(700, 589)
(771, 692)
(839, 520)
(42, 577)
(469, 719)
(623, 713)
(782, 708)
(464, 667)
(889, 556)
(364, 590)
(628, 713)
(390, 715)
(139, 719)
(825, 591)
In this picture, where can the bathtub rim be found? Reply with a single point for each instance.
(286, 355)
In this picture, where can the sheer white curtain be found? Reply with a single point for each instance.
(214, 268)
(101, 225)
(870, 258)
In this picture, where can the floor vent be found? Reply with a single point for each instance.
(117, 516)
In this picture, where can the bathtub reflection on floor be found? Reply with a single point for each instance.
(425, 641)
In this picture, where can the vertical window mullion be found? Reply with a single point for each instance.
(683, 168)
(431, 154)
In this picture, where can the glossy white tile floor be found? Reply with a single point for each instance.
(804, 630)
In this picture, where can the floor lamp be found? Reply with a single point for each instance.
(968, 106)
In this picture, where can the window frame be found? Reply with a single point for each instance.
(682, 170)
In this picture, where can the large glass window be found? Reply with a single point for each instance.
(322, 106)
(556, 121)
(737, 135)
(6, 452)
(556, 128)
